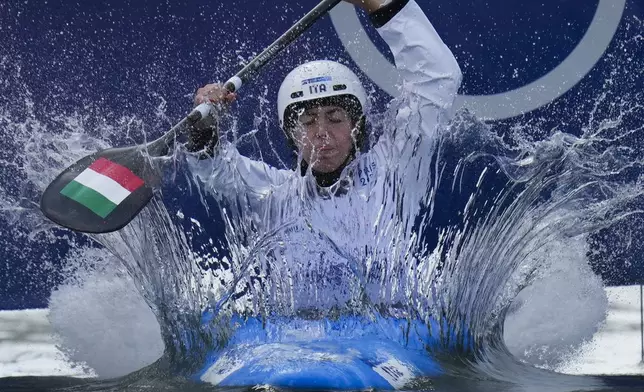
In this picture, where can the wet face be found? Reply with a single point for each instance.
(324, 137)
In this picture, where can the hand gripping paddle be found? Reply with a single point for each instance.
(104, 191)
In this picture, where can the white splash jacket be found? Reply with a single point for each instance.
(299, 246)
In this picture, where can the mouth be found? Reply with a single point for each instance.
(326, 152)
(325, 148)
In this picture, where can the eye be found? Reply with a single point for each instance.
(307, 120)
(336, 116)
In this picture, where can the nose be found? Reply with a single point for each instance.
(321, 130)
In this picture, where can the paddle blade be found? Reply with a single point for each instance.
(102, 192)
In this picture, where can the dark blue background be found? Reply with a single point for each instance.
(117, 57)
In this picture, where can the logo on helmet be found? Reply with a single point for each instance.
(317, 89)
(317, 80)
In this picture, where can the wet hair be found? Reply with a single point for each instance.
(348, 102)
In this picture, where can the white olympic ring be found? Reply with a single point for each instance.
(496, 106)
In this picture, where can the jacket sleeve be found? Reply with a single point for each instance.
(406, 153)
(430, 78)
(231, 175)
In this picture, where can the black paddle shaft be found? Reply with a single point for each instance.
(234, 83)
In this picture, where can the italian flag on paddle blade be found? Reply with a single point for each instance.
(102, 186)
(102, 192)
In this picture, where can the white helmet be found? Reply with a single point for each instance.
(315, 80)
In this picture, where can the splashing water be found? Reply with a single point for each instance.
(522, 214)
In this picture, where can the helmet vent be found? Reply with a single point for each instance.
(339, 87)
(297, 94)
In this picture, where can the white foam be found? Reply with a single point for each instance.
(27, 346)
(617, 347)
(560, 311)
(103, 322)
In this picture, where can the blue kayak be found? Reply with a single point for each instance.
(344, 353)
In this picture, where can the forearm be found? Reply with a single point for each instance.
(228, 173)
(427, 66)
(204, 137)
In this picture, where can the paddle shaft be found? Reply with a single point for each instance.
(161, 146)
(233, 84)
